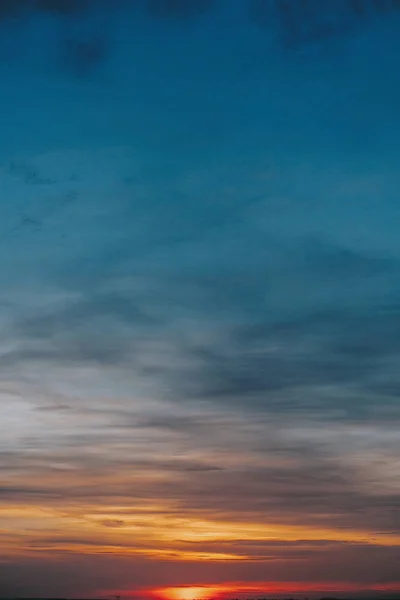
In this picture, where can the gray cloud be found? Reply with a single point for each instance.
(259, 350)
(260, 474)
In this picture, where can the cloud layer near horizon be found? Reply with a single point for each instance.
(200, 306)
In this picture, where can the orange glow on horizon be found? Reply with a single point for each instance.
(242, 589)
(190, 592)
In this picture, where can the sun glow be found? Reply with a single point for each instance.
(189, 593)
(246, 589)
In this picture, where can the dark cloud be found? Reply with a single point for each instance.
(9, 8)
(315, 490)
(315, 23)
(181, 9)
(76, 331)
(82, 57)
(336, 348)
(113, 523)
(298, 25)
(65, 7)
(82, 38)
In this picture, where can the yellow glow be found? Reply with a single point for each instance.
(158, 533)
(189, 593)
(259, 588)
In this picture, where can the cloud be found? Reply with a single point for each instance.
(113, 523)
(304, 26)
(243, 345)
(179, 8)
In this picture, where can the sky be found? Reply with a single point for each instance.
(199, 298)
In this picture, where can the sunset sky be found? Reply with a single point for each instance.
(199, 299)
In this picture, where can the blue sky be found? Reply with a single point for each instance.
(199, 301)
